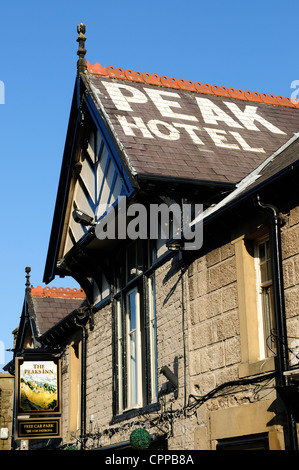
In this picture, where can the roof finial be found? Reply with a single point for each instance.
(27, 270)
(82, 63)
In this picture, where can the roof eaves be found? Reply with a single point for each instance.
(61, 328)
(64, 324)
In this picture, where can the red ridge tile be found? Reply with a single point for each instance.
(57, 292)
(188, 85)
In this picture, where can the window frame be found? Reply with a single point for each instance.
(266, 319)
(252, 361)
(133, 330)
(143, 284)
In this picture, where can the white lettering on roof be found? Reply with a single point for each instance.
(249, 115)
(191, 131)
(217, 135)
(122, 101)
(171, 132)
(125, 96)
(138, 124)
(164, 106)
(244, 144)
(211, 113)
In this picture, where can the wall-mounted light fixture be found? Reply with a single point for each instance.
(82, 218)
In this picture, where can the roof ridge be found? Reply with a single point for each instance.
(64, 292)
(188, 85)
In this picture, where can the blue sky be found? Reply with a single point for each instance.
(248, 45)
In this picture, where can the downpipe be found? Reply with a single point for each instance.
(279, 308)
(82, 314)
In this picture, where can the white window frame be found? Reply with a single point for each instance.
(120, 359)
(153, 337)
(134, 382)
(263, 332)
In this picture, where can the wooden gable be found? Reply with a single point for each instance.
(92, 177)
(97, 184)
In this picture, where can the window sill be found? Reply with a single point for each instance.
(247, 369)
(131, 413)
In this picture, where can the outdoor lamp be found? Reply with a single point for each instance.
(82, 218)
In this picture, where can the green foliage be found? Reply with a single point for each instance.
(140, 439)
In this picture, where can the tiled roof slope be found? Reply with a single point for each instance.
(51, 305)
(286, 158)
(178, 129)
(281, 164)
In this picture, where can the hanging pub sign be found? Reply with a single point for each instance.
(38, 386)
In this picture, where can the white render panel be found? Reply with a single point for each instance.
(88, 178)
(82, 201)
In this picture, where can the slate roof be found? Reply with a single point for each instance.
(178, 129)
(281, 164)
(49, 306)
(286, 158)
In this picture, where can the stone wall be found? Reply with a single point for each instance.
(6, 407)
(290, 255)
(198, 331)
(213, 319)
(99, 375)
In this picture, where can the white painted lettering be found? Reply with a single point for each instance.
(191, 131)
(164, 106)
(245, 145)
(249, 115)
(211, 113)
(173, 133)
(129, 126)
(122, 100)
(220, 140)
